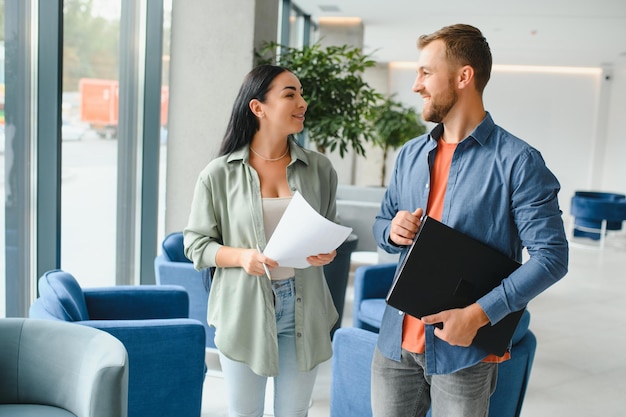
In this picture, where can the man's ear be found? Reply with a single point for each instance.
(255, 107)
(465, 75)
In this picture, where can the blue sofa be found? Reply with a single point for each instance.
(165, 348)
(172, 267)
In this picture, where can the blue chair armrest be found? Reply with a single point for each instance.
(38, 311)
(137, 302)
(371, 313)
(166, 360)
(180, 273)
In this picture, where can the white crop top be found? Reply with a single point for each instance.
(273, 209)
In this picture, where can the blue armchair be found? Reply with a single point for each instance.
(596, 213)
(353, 350)
(165, 348)
(50, 368)
(371, 285)
(171, 267)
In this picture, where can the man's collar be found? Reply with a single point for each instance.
(480, 134)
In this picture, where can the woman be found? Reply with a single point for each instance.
(275, 323)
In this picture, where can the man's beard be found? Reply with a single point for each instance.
(439, 107)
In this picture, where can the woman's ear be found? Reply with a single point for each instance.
(256, 108)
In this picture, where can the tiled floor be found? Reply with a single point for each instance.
(580, 324)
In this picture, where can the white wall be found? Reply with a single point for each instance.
(614, 168)
(557, 113)
(210, 55)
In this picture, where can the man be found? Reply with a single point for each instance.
(476, 177)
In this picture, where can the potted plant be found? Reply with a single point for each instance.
(340, 100)
(394, 125)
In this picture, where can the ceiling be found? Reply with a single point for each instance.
(579, 33)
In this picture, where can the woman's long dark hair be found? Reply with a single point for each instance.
(243, 124)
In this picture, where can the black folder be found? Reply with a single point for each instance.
(447, 269)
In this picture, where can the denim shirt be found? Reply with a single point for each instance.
(500, 192)
(227, 210)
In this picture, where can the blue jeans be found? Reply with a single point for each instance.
(292, 388)
(402, 389)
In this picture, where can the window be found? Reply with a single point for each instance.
(297, 29)
(91, 37)
(79, 186)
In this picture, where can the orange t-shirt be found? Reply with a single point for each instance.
(413, 337)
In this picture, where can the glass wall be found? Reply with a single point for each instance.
(99, 165)
(165, 81)
(20, 106)
(84, 176)
(302, 31)
(2, 150)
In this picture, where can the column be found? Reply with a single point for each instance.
(212, 48)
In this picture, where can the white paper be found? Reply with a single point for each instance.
(303, 232)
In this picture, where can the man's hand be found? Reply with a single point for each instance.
(404, 227)
(460, 325)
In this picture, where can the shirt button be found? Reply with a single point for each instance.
(400, 313)
(299, 334)
(427, 186)
(299, 300)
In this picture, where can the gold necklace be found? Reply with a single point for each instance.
(269, 159)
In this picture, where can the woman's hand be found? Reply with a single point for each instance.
(252, 261)
(321, 259)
